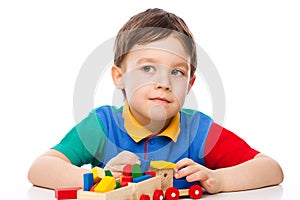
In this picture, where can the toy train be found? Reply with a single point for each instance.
(155, 184)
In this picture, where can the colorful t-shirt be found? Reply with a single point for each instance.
(108, 130)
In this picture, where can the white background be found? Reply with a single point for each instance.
(253, 44)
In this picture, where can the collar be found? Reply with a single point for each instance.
(138, 132)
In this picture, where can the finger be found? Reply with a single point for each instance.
(126, 157)
(116, 174)
(188, 170)
(197, 176)
(184, 162)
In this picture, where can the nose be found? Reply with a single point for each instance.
(163, 81)
(162, 86)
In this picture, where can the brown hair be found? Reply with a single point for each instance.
(149, 26)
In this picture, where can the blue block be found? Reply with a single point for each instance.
(141, 178)
(182, 183)
(88, 181)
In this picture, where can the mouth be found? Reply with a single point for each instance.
(160, 100)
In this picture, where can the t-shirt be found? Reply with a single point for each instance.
(108, 130)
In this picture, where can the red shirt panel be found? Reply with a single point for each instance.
(225, 149)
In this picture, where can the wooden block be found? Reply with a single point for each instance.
(93, 187)
(66, 193)
(141, 178)
(108, 173)
(126, 178)
(146, 187)
(127, 169)
(161, 164)
(123, 184)
(123, 193)
(98, 174)
(136, 171)
(107, 184)
(88, 181)
(152, 173)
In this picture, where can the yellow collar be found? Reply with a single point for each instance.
(138, 132)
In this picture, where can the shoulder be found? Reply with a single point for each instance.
(186, 113)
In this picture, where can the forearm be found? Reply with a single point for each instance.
(52, 172)
(256, 173)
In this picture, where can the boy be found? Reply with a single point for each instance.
(154, 66)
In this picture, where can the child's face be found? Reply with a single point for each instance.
(156, 79)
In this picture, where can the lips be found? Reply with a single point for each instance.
(160, 100)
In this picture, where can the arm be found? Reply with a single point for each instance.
(258, 172)
(54, 170)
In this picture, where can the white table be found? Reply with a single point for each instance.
(272, 193)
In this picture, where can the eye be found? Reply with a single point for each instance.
(148, 68)
(177, 72)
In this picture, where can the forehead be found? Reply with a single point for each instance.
(168, 47)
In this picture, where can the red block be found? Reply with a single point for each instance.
(123, 184)
(66, 193)
(126, 178)
(153, 174)
(127, 170)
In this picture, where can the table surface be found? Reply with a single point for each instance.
(273, 193)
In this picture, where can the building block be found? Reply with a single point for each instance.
(123, 184)
(107, 184)
(153, 174)
(108, 173)
(127, 169)
(126, 178)
(88, 181)
(93, 187)
(98, 174)
(141, 178)
(136, 171)
(160, 164)
(182, 183)
(66, 193)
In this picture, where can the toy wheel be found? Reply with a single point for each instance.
(172, 194)
(195, 192)
(144, 197)
(158, 195)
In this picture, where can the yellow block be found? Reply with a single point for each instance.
(98, 174)
(161, 164)
(107, 184)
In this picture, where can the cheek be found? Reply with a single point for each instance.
(180, 90)
(136, 92)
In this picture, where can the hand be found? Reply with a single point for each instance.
(116, 164)
(196, 172)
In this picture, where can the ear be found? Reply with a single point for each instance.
(191, 83)
(117, 76)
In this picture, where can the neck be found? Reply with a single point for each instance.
(157, 126)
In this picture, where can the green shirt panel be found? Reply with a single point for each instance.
(85, 142)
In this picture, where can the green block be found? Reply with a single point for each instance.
(136, 171)
(108, 173)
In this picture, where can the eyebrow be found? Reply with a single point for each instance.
(153, 60)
